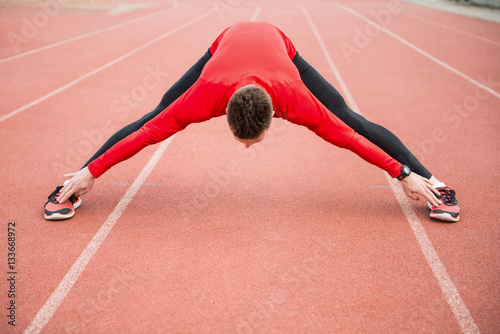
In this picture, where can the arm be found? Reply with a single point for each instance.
(177, 89)
(83, 181)
(298, 105)
(375, 133)
(198, 104)
(303, 108)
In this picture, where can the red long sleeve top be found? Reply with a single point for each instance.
(247, 53)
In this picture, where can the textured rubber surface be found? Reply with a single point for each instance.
(283, 237)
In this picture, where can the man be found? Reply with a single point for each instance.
(253, 73)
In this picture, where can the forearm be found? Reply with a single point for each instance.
(303, 108)
(177, 89)
(195, 105)
(365, 150)
(123, 150)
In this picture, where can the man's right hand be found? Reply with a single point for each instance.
(80, 183)
(415, 185)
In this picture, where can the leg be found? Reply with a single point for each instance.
(375, 133)
(64, 210)
(182, 85)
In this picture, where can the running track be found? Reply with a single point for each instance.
(199, 235)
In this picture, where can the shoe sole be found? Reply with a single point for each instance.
(442, 216)
(445, 217)
(58, 216)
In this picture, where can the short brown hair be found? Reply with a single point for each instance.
(249, 112)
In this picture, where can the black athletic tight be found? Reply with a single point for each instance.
(323, 91)
(375, 133)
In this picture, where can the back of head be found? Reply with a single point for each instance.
(249, 112)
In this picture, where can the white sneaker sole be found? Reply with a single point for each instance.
(442, 216)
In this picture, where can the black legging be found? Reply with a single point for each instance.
(375, 133)
(177, 89)
(320, 88)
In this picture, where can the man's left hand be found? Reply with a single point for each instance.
(414, 185)
(80, 183)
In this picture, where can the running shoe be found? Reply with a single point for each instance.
(448, 210)
(59, 211)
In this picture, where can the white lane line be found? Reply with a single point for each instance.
(334, 69)
(449, 290)
(422, 52)
(454, 29)
(256, 13)
(99, 69)
(76, 38)
(56, 298)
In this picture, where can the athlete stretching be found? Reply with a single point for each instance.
(251, 73)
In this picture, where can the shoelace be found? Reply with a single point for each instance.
(52, 197)
(448, 196)
(54, 193)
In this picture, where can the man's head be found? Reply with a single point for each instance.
(249, 114)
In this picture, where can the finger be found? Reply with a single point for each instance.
(430, 185)
(65, 194)
(65, 198)
(61, 199)
(70, 174)
(426, 194)
(428, 197)
(427, 181)
(435, 191)
(65, 188)
(433, 201)
(431, 198)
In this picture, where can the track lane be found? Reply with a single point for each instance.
(86, 34)
(87, 118)
(231, 271)
(476, 26)
(478, 77)
(26, 29)
(448, 289)
(186, 279)
(43, 85)
(186, 58)
(454, 27)
(259, 251)
(467, 134)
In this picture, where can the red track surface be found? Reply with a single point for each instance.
(290, 236)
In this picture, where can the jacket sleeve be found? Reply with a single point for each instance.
(173, 93)
(295, 103)
(198, 104)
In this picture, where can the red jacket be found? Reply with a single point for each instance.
(247, 53)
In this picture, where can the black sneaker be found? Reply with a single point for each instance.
(449, 209)
(59, 211)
